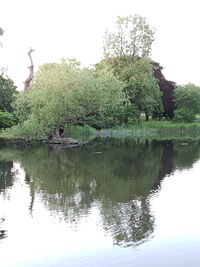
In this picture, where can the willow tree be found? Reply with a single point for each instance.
(63, 94)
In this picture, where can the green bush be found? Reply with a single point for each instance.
(187, 99)
(7, 119)
(184, 115)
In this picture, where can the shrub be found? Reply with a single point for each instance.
(7, 119)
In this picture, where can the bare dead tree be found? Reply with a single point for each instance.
(31, 73)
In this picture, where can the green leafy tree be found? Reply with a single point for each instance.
(187, 99)
(132, 38)
(141, 87)
(126, 52)
(63, 95)
(7, 93)
(7, 96)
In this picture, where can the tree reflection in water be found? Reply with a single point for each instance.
(6, 181)
(129, 223)
(3, 233)
(6, 175)
(118, 176)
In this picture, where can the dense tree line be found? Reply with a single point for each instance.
(119, 89)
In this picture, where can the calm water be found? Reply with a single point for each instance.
(109, 203)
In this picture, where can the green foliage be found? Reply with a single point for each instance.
(126, 52)
(130, 114)
(21, 107)
(159, 130)
(187, 99)
(64, 94)
(184, 115)
(133, 37)
(106, 101)
(6, 119)
(141, 87)
(7, 93)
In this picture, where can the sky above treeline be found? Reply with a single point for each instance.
(59, 29)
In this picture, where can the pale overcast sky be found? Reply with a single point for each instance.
(74, 29)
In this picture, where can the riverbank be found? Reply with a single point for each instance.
(165, 128)
(152, 129)
(68, 142)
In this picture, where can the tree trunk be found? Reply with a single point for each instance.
(56, 133)
(31, 73)
(146, 116)
(59, 132)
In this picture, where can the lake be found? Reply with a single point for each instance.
(111, 202)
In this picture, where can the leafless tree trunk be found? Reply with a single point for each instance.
(31, 74)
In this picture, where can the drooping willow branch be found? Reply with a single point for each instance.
(31, 73)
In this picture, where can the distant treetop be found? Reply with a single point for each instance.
(132, 37)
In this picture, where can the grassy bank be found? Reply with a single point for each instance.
(151, 129)
(162, 127)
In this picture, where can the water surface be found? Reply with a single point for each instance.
(111, 202)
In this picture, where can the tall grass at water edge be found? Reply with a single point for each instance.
(165, 129)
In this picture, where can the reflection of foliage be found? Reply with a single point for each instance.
(117, 174)
(6, 175)
(6, 181)
(186, 154)
(129, 223)
(2, 232)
